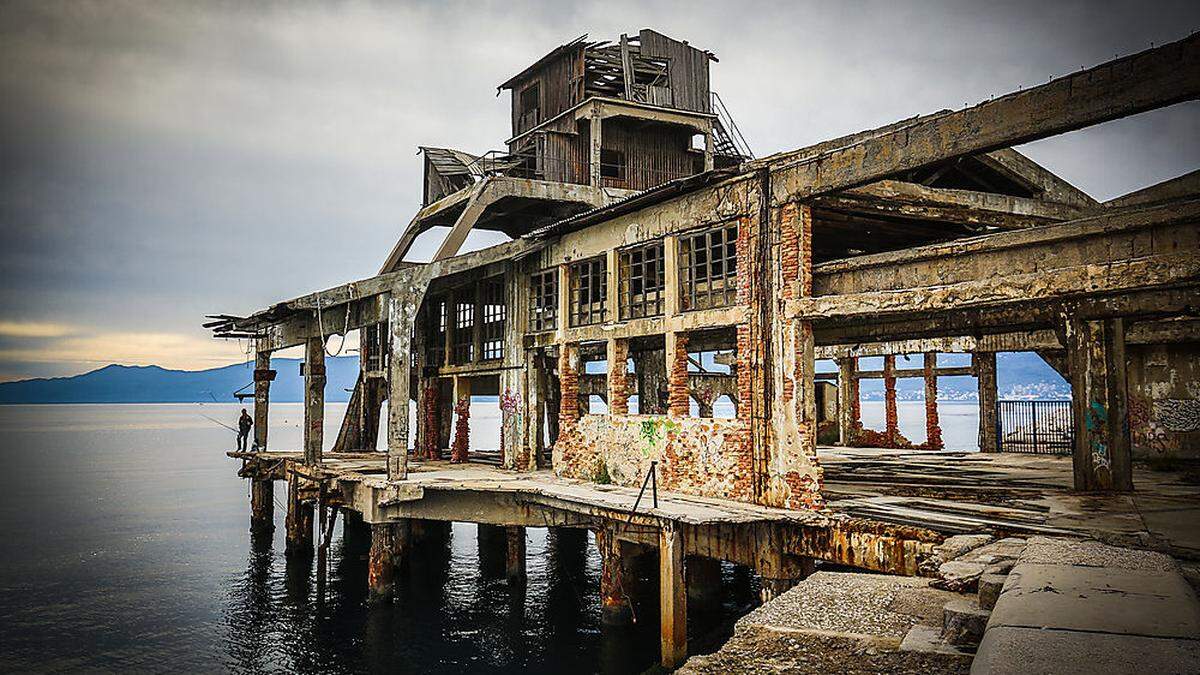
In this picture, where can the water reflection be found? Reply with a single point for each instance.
(453, 610)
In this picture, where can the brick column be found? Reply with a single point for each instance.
(678, 403)
(568, 384)
(618, 376)
(892, 428)
(933, 430)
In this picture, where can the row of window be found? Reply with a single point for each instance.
(462, 307)
(707, 279)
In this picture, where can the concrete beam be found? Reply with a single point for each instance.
(1151, 79)
(965, 207)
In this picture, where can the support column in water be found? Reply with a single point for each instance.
(614, 605)
(299, 521)
(515, 554)
(262, 505)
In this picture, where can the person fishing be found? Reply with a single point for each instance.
(244, 424)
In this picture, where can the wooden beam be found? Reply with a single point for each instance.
(1151, 79)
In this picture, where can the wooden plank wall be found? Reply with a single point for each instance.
(561, 86)
(688, 70)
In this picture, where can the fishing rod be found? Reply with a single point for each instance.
(219, 422)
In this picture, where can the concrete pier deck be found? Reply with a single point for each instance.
(964, 492)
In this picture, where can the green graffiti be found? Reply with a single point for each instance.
(655, 430)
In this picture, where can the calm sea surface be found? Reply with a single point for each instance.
(125, 547)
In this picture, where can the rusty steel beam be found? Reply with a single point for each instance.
(1151, 79)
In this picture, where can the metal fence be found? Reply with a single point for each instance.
(1036, 427)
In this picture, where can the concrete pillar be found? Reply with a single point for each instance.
(791, 571)
(672, 591)
(985, 371)
(262, 505)
(400, 321)
(492, 545)
(618, 376)
(614, 605)
(678, 400)
(514, 559)
(314, 400)
(933, 429)
(891, 414)
(595, 144)
(704, 584)
(388, 544)
(263, 375)
(299, 521)
(1099, 403)
(847, 392)
(356, 534)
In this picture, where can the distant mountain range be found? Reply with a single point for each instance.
(1019, 375)
(152, 384)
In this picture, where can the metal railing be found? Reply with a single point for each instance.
(1035, 427)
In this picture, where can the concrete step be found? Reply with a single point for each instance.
(963, 622)
(928, 640)
(990, 586)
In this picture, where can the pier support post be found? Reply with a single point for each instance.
(704, 584)
(515, 554)
(985, 370)
(299, 521)
(614, 606)
(492, 542)
(672, 593)
(263, 375)
(314, 400)
(1099, 402)
(389, 548)
(262, 505)
(791, 571)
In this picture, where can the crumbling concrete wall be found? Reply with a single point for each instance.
(1164, 400)
(699, 456)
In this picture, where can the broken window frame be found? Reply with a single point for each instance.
(634, 266)
(435, 331)
(526, 110)
(494, 316)
(705, 282)
(543, 300)
(613, 165)
(589, 277)
(463, 339)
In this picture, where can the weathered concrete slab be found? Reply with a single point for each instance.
(1031, 651)
(837, 622)
(1053, 551)
(1098, 600)
(844, 602)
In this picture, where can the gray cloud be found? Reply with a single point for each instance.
(163, 160)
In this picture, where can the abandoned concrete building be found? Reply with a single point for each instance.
(651, 326)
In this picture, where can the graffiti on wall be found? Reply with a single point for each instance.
(1095, 421)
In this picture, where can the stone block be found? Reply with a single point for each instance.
(959, 576)
(963, 622)
(1101, 600)
(1009, 650)
(990, 586)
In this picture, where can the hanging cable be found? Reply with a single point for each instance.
(345, 324)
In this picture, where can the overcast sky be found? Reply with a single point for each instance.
(160, 161)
